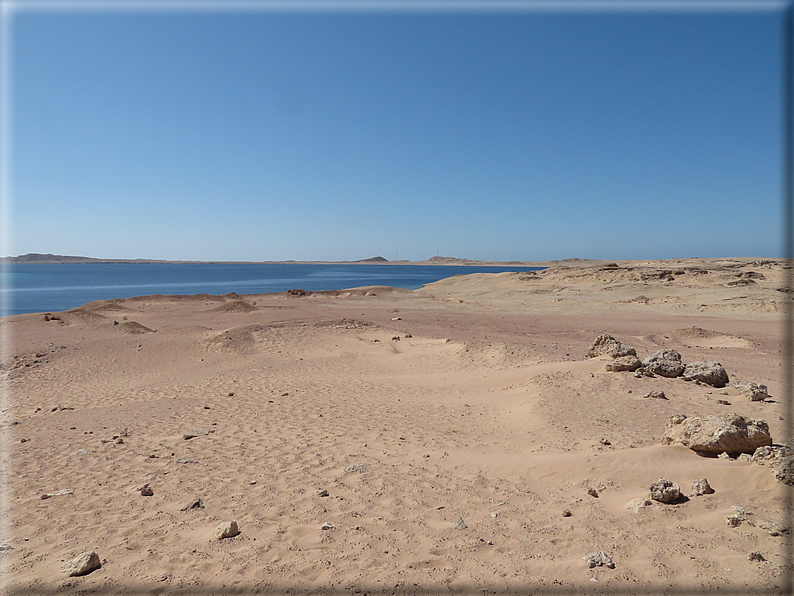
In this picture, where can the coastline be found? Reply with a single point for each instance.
(472, 396)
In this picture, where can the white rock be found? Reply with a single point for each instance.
(226, 529)
(82, 564)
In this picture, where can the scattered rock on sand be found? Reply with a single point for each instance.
(709, 372)
(356, 469)
(636, 505)
(629, 363)
(322, 492)
(194, 504)
(592, 492)
(655, 395)
(665, 363)
(147, 491)
(82, 564)
(566, 513)
(729, 433)
(598, 559)
(57, 493)
(756, 556)
(735, 520)
(701, 487)
(459, 524)
(327, 526)
(665, 491)
(753, 391)
(227, 529)
(606, 345)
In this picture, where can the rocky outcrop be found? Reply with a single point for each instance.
(728, 433)
(778, 457)
(709, 372)
(606, 345)
(665, 491)
(621, 363)
(665, 363)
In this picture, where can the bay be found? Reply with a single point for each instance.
(39, 287)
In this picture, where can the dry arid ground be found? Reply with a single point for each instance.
(470, 398)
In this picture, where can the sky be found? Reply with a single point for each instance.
(333, 133)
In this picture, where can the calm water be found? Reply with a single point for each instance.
(30, 288)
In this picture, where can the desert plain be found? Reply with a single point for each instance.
(349, 433)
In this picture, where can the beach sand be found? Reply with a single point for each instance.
(472, 397)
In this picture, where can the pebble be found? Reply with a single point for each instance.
(194, 504)
(598, 559)
(321, 492)
(327, 526)
(592, 492)
(252, 482)
(65, 491)
(755, 556)
(147, 491)
(184, 460)
(356, 468)
(459, 524)
(566, 513)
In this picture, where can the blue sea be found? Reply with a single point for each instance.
(33, 288)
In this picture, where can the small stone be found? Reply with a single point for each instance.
(327, 526)
(322, 492)
(734, 521)
(755, 556)
(592, 492)
(226, 529)
(605, 441)
(723, 455)
(723, 402)
(598, 559)
(252, 482)
(655, 395)
(184, 460)
(665, 491)
(494, 514)
(187, 436)
(65, 491)
(194, 504)
(701, 487)
(355, 468)
(459, 524)
(636, 505)
(566, 513)
(82, 564)
(147, 491)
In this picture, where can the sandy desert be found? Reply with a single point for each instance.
(451, 439)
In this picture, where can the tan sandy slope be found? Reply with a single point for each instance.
(486, 408)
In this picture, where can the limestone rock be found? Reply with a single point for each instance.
(665, 491)
(621, 363)
(82, 564)
(226, 529)
(606, 345)
(728, 433)
(598, 559)
(754, 391)
(665, 363)
(709, 372)
(701, 487)
(636, 505)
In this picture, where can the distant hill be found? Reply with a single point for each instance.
(373, 260)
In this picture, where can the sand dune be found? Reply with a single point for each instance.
(472, 397)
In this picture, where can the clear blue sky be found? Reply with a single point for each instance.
(336, 135)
